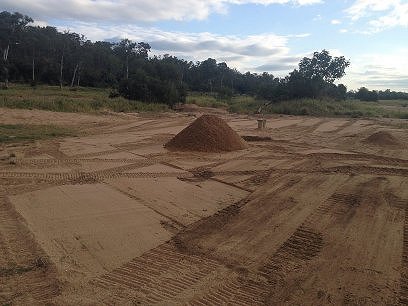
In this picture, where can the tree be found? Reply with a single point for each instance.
(366, 95)
(11, 26)
(127, 49)
(321, 69)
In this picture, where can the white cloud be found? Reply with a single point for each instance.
(379, 71)
(39, 23)
(130, 11)
(335, 21)
(343, 31)
(264, 52)
(379, 14)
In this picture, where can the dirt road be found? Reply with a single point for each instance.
(314, 213)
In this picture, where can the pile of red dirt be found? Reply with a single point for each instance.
(382, 138)
(208, 133)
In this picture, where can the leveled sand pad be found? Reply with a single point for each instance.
(94, 228)
(90, 228)
(182, 201)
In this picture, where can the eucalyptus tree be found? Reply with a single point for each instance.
(12, 25)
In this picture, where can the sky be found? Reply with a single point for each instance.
(249, 35)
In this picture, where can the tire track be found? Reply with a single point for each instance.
(396, 202)
(354, 156)
(365, 170)
(360, 157)
(107, 173)
(158, 275)
(170, 270)
(307, 242)
(233, 292)
(84, 155)
(403, 294)
(121, 171)
(24, 266)
(303, 245)
(43, 162)
(78, 177)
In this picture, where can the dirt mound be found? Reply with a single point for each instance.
(382, 138)
(207, 134)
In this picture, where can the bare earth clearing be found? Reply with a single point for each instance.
(315, 215)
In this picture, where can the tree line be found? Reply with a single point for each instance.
(43, 55)
(365, 94)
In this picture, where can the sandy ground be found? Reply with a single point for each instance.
(313, 216)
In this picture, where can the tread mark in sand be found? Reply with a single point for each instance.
(403, 295)
(102, 174)
(340, 203)
(38, 281)
(158, 275)
(52, 162)
(396, 202)
(89, 176)
(97, 153)
(303, 245)
(233, 292)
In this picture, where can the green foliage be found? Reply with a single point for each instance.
(204, 100)
(43, 55)
(306, 107)
(333, 108)
(82, 100)
(244, 104)
(366, 95)
(152, 90)
(392, 95)
(322, 67)
(236, 104)
(315, 76)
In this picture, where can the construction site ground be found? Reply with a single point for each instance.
(313, 212)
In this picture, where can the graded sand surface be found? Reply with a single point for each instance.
(77, 225)
(314, 211)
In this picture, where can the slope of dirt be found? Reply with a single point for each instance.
(382, 138)
(207, 134)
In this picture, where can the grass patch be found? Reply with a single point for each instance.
(204, 100)
(321, 108)
(349, 108)
(237, 104)
(90, 100)
(25, 132)
(85, 100)
(244, 104)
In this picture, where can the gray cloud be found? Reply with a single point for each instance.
(243, 53)
(280, 64)
(380, 70)
(165, 45)
(397, 84)
(131, 11)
